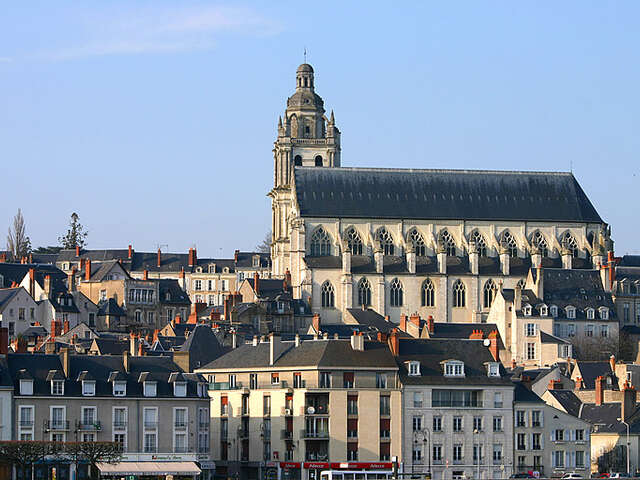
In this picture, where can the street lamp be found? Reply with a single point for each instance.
(628, 445)
(476, 432)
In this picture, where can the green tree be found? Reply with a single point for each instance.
(48, 249)
(75, 236)
(94, 453)
(18, 243)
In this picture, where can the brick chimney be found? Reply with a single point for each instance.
(4, 341)
(578, 383)
(159, 259)
(493, 345)
(31, 258)
(431, 325)
(193, 258)
(3, 257)
(71, 279)
(77, 250)
(256, 283)
(612, 363)
(612, 269)
(235, 256)
(65, 327)
(628, 401)
(476, 335)
(130, 252)
(415, 319)
(394, 342)
(177, 319)
(32, 282)
(403, 322)
(287, 278)
(145, 274)
(87, 270)
(600, 384)
(555, 385)
(226, 303)
(315, 322)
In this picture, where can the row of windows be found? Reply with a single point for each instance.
(321, 243)
(119, 388)
(457, 453)
(396, 293)
(210, 284)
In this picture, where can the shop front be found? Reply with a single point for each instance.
(157, 466)
(311, 470)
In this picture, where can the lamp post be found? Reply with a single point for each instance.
(476, 432)
(628, 445)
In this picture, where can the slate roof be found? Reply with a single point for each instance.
(444, 330)
(269, 288)
(102, 255)
(604, 418)
(6, 295)
(176, 294)
(101, 368)
(15, 272)
(319, 353)
(432, 352)
(441, 194)
(5, 377)
(371, 318)
(111, 346)
(523, 394)
(35, 331)
(589, 371)
(547, 338)
(629, 261)
(203, 347)
(110, 307)
(569, 401)
(245, 259)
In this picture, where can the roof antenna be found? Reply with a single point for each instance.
(305, 54)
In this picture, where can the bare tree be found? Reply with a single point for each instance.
(595, 348)
(18, 243)
(265, 245)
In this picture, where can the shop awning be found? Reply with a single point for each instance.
(148, 468)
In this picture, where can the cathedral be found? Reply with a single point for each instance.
(404, 241)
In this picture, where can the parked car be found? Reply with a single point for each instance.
(521, 475)
(571, 476)
(619, 475)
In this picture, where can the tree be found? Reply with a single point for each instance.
(24, 454)
(265, 245)
(48, 249)
(94, 453)
(76, 236)
(18, 243)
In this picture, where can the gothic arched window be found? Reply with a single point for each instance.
(328, 295)
(478, 241)
(570, 244)
(297, 161)
(521, 283)
(318, 161)
(418, 243)
(385, 241)
(540, 243)
(509, 244)
(428, 294)
(320, 243)
(488, 293)
(397, 293)
(459, 294)
(354, 243)
(447, 242)
(364, 292)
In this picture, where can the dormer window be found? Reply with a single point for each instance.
(604, 313)
(544, 310)
(167, 297)
(256, 261)
(88, 388)
(590, 313)
(493, 369)
(414, 368)
(454, 368)
(571, 312)
(119, 389)
(180, 389)
(150, 388)
(57, 387)
(526, 310)
(26, 387)
(554, 311)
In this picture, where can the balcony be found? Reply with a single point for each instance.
(317, 456)
(315, 435)
(203, 426)
(286, 435)
(26, 423)
(287, 411)
(179, 425)
(317, 409)
(56, 425)
(120, 425)
(150, 425)
(225, 386)
(299, 383)
(90, 426)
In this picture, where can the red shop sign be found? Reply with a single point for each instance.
(362, 465)
(289, 464)
(317, 465)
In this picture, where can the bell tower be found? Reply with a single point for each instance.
(306, 138)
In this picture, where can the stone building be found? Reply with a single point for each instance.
(436, 242)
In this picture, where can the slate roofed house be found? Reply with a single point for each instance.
(18, 311)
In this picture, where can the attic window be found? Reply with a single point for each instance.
(414, 368)
(26, 387)
(527, 310)
(150, 389)
(544, 311)
(225, 270)
(88, 388)
(604, 313)
(119, 389)
(199, 269)
(256, 261)
(493, 369)
(554, 311)
(454, 368)
(57, 387)
(571, 312)
(590, 314)
(180, 389)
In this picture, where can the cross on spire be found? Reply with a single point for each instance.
(305, 54)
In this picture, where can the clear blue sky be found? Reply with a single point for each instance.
(155, 120)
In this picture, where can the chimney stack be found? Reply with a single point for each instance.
(600, 382)
(493, 345)
(71, 279)
(315, 322)
(64, 359)
(145, 274)
(235, 256)
(394, 342)
(3, 257)
(403, 322)
(555, 385)
(159, 262)
(65, 327)
(130, 252)
(578, 383)
(287, 279)
(628, 401)
(357, 341)
(77, 250)
(125, 360)
(612, 363)
(193, 258)
(32, 282)
(431, 325)
(256, 283)
(87, 270)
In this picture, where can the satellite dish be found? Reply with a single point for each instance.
(311, 410)
(486, 342)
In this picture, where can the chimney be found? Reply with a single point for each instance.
(125, 361)
(285, 285)
(578, 385)
(64, 359)
(315, 322)
(3, 257)
(177, 319)
(256, 283)
(382, 337)
(141, 351)
(235, 256)
(287, 278)
(32, 282)
(65, 328)
(71, 279)
(628, 401)
(403, 322)
(431, 325)
(156, 332)
(539, 282)
(514, 364)
(47, 285)
(159, 263)
(77, 250)
(493, 345)
(275, 348)
(133, 344)
(4, 341)
(297, 340)
(145, 274)
(555, 385)
(181, 358)
(21, 344)
(226, 303)
(517, 298)
(612, 363)
(600, 382)
(130, 252)
(612, 269)
(31, 258)
(415, 319)
(476, 335)
(87, 270)
(52, 331)
(394, 342)
(357, 341)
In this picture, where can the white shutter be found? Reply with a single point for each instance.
(542, 418)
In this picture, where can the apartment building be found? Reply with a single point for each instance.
(297, 408)
(149, 405)
(457, 408)
(548, 442)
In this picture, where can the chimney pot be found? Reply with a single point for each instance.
(159, 263)
(87, 270)
(600, 383)
(145, 275)
(77, 250)
(130, 252)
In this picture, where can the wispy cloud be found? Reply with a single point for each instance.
(161, 30)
